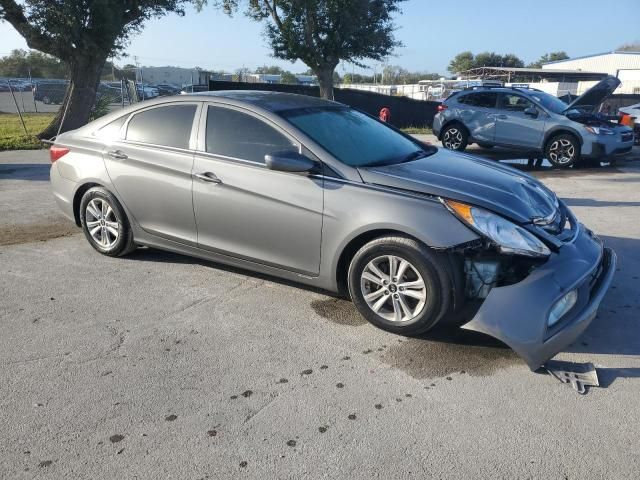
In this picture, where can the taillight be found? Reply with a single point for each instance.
(442, 107)
(56, 152)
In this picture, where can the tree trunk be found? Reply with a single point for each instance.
(325, 79)
(80, 96)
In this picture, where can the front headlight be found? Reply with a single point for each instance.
(600, 130)
(509, 237)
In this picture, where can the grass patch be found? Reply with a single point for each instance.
(417, 130)
(12, 136)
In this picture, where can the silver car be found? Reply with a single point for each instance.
(535, 122)
(322, 194)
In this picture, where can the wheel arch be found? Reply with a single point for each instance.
(453, 121)
(563, 130)
(77, 198)
(353, 246)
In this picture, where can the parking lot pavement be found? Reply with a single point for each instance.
(161, 366)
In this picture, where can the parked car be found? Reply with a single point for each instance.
(165, 89)
(49, 92)
(319, 193)
(533, 121)
(146, 92)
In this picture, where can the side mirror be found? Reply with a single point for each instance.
(531, 111)
(288, 161)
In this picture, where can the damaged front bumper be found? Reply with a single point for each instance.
(518, 314)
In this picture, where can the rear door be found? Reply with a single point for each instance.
(150, 168)
(477, 113)
(246, 210)
(514, 127)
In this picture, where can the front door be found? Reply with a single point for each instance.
(514, 126)
(150, 168)
(246, 210)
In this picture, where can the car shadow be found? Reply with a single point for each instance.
(520, 159)
(35, 172)
(615, 330)
(148, 254)
(589, 202)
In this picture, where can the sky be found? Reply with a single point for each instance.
(432, 34)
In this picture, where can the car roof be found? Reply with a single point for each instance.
(271, 101)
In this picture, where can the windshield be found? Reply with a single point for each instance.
(353, 137)
(549, 101)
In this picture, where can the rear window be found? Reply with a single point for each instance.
(479, 99)
(168, 126)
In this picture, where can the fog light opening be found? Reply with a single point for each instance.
(561, 307)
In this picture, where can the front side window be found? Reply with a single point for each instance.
(480, 99)
(231, 133)
(168, 126)
(515, 103)
(353, 137)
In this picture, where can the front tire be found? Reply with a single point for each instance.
(563, 151)
(455, 137)
(104, 223)
(399, 285)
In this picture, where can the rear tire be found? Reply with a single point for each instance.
(105, 224)
(417, 292)
(563, 151)
(455, 137)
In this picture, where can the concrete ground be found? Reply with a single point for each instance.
(161, 366)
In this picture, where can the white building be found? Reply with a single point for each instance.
(174, 75)
(624, 65)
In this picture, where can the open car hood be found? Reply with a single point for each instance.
(590, 100)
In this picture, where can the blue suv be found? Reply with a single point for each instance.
(533, 121)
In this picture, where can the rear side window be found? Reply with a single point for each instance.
(480, 99)
(231, 133)
(168, 126)
(111, 131)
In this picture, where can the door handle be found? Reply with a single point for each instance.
(208, 177)
(502, 117)
(118, 154)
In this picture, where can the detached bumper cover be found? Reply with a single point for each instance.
(517, 314)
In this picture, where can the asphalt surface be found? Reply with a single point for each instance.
(161, 366)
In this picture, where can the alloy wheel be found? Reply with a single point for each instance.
(102, 223)
(393, 288)
(562, 151)
(452, 138)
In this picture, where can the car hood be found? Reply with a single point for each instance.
(472, 180)
(592, 98)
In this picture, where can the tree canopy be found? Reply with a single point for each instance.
(322, 33)
(467, 60)
(82, 34)
(22, 64)
(549, 57)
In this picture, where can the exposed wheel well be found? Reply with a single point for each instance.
(350, 250)
(78, 196)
